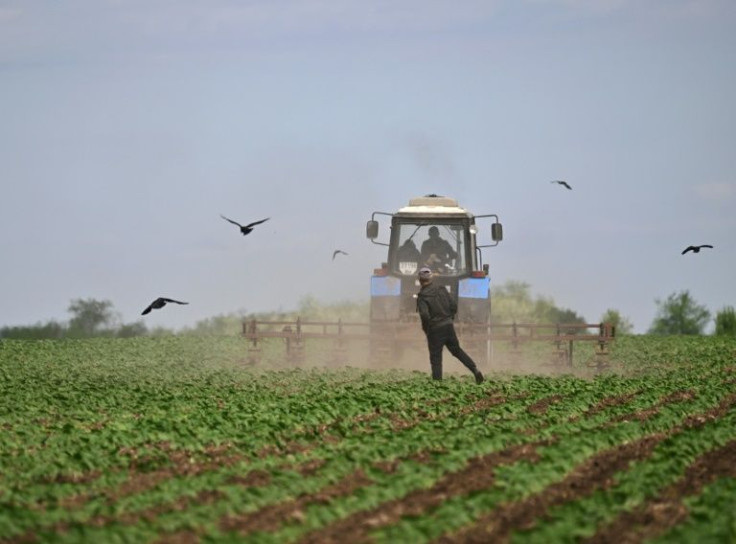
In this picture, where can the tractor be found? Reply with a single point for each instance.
(436, 232)
(432, 231)
(458, 265)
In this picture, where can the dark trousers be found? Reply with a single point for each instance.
(437, 339)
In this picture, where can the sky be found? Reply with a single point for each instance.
(128, 127)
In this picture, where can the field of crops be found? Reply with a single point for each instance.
(176, 440)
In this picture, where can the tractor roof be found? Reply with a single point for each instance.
(433, 204)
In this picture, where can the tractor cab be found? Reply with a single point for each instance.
(432, 231)
(443, 247)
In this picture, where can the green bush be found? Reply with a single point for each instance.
(726, 322)
(680, 314)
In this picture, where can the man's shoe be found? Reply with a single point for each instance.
(478, 376)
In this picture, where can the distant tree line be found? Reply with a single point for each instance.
(90, 318)
(97, 318)
(679, 313)
(308, 309)
(512, 302)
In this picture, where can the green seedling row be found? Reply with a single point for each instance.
(138, 439)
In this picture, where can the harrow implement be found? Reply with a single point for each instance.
(489, 344)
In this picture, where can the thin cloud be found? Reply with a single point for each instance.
(79, 29)
(260, 17)
(717, 191)
(8, 15)
(85, 28)
(311, 15)
(702, 8)
(681, 9)
(595, 6)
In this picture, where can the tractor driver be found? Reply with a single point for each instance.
(408, 251)
(408, 256)
(437, 252)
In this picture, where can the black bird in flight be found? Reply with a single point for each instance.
(696, 249)
(160, 302)
(334, 253)
(247, 229)
(562, 182)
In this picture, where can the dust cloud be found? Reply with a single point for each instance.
(497, 360)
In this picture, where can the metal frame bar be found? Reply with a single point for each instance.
(296, 328)
(295, 332)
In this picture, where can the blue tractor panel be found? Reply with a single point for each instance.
(385, 286)
(385, 298)
(473, 300)
(474, 287)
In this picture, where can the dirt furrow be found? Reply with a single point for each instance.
(484, 403)
(595, 473)
(541, 406)
(180, 464)
(643, 415)
(254, 478)
(422, 500)
(607, 402)
(658, 515)
(477, 475)
(274, 516)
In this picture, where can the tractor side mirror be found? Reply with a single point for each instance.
(497, 232)
(371, 229)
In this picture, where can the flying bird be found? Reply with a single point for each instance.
(334, 253)
(696, 249)
(562, 182)
(247, 229)
(160, 302)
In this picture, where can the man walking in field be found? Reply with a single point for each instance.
(437, 310)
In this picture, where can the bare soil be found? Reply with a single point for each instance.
(477, 475)
(273, 517)
(541, 406)
(661, 513)
(596, 473)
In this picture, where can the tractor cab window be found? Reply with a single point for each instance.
(441, 247)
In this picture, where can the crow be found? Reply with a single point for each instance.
(334, 253)
(247, 229)
(160, 302)
(562, 182)
(696, 249)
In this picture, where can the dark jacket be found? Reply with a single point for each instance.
(436, 306)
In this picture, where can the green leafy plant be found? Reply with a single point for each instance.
(140, 439)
